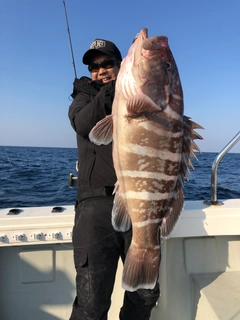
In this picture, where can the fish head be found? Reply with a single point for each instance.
(154, 69)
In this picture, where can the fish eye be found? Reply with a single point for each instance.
(168, 65)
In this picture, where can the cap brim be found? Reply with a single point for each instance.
(88, 56)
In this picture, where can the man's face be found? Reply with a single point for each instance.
(104, 68)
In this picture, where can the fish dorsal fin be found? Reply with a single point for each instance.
(174, 209)
(189, 145)
(102, 132)
(140, 103)
(121, 220)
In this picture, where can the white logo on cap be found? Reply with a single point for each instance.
(98, 44)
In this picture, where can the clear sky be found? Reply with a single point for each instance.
(36, 71)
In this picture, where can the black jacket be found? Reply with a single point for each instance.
(93, 101)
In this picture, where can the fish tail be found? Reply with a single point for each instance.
(141, 268)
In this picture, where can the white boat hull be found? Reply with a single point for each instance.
(199, 272)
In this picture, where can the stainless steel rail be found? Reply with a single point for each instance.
(215, 164)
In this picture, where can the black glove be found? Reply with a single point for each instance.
(108, 92)
(109, 89)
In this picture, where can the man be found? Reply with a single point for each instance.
(97, 246)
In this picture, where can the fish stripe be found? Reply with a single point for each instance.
(135, 162)
(140, 150)
(145, 223)
(172, 114)
(177, 97)
(160, 131)
(129, 85)
(146, 174)
(149, 196)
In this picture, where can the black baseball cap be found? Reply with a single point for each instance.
(103, 46)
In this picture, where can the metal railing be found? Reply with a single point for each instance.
(215, 164)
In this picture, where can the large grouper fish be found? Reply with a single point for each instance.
(152, 145)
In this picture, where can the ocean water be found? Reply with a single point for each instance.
(33, 176)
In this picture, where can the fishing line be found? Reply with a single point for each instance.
(69, 37)
(96, 242)
(19, 168)
(89, 245)
(14, 166)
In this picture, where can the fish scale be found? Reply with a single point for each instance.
(153, 142)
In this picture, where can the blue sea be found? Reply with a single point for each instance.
(33, 176)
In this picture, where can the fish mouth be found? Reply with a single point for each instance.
(143, 34)
(154, 43)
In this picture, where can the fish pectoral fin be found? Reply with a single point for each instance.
(140, 103)
(102, 132)
(121, 220)
(141, 268)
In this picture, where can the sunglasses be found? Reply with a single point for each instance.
(106, 64)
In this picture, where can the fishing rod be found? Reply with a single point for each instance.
(69, 37)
